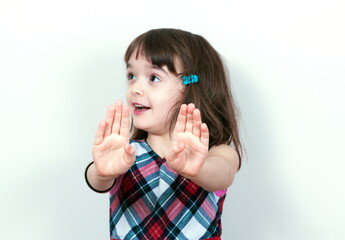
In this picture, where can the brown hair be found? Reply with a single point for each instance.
(211, 94)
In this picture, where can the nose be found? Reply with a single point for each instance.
(138, 92)
(137, 88)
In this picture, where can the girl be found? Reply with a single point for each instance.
(168, 178)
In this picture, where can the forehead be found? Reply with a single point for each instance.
(135, 58)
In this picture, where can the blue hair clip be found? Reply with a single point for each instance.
(190, 79)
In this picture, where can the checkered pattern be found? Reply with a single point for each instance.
(152, 202)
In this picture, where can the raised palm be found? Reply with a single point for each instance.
(112, 153)
(189, 142)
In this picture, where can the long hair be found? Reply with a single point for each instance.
(212, 94)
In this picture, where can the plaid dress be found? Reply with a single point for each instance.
(152, 202)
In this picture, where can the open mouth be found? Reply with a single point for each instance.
(140, 107)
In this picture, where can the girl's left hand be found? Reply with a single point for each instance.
(189, 142)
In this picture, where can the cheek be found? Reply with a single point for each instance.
(179, 91)
(177, 96)
(173, 96)
(170, 101)
(128, 94)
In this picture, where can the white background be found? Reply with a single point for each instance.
(61, 66)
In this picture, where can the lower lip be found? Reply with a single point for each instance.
(141, 111)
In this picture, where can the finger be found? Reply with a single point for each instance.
(109, 120)
(204, 138)
(129, 153)
(125, 125)
(189, 123)
(181, 119)
(100, 133)
(117, 117)
(196, 123)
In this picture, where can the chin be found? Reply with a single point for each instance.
(150, 129)
(140, 126)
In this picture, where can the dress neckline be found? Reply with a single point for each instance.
(146, 142)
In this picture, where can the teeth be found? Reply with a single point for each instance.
(137, 105)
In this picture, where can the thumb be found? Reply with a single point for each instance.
(129, 154)
(176, 161)
(176, 149)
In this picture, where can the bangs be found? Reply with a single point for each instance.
(157, 47)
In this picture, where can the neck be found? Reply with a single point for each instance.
(159, 144)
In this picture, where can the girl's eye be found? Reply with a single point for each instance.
(155, 79)
(130, 76)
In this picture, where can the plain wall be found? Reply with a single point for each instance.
(61, 66)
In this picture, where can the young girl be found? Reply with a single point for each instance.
(168, 177)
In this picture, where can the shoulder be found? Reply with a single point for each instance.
(225, 152)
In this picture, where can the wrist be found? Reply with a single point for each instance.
(105, 179)
(99, 175)
(104, 183)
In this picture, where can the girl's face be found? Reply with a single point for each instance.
(152, 95)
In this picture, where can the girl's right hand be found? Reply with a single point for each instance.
(112, 154)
